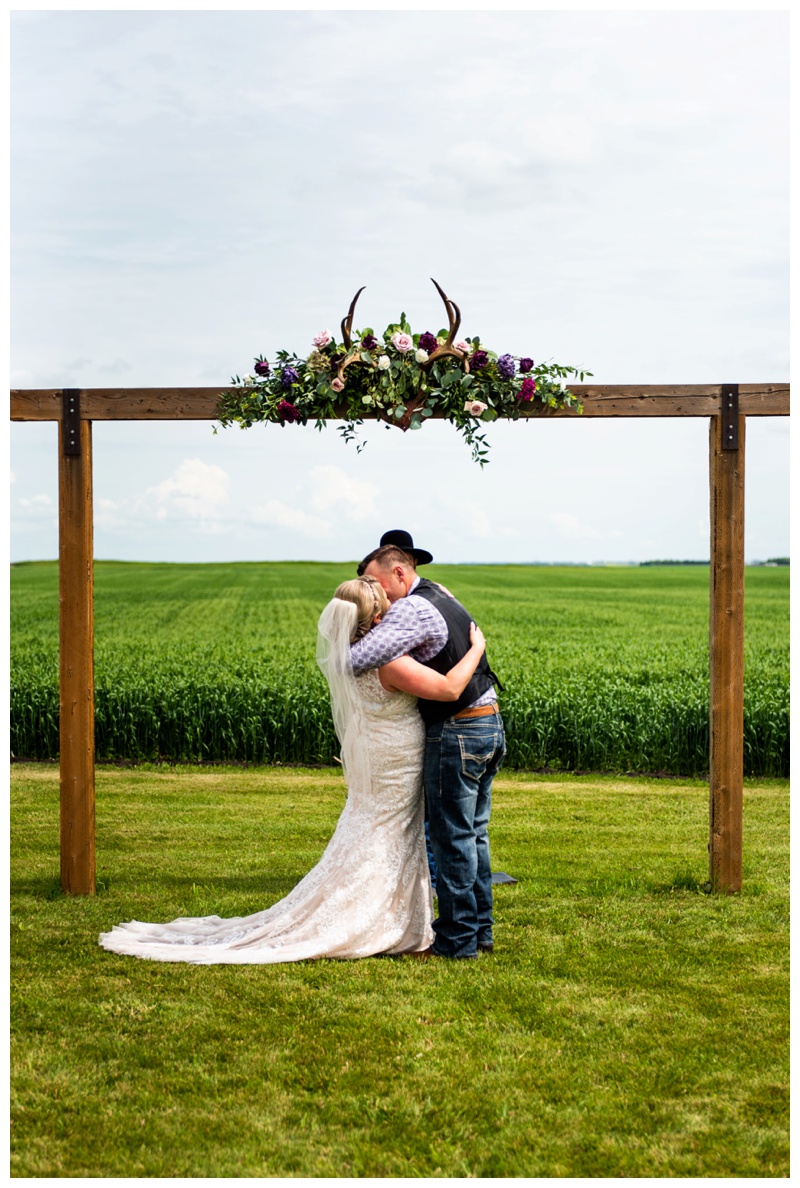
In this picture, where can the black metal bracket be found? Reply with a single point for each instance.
(730, 416)
(71, 421)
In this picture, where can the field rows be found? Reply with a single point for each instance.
(603, 669)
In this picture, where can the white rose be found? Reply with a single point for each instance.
(421, 356)
(384, 362)
(249, 380)
(476, 407)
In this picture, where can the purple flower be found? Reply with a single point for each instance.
(506, 366)
(336, 360)
(527, 389)
(262, 367)
(478, 360)
(369, 342)
(525, 365)
(287, 411)
(427, 342)
(288, 377)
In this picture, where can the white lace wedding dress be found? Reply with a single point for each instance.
(369, 893)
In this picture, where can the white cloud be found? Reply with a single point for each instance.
(196, 490)
(118, 367)
(569, 525)
(332, 487)
(473, 521)
(105, 514)
(35, 516)
(282, 516)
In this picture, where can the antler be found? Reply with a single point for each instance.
(347, 326)
(452, 309)
(454, 318)
(347, 323)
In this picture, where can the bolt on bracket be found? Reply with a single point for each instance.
(730, 416)
(71, 421)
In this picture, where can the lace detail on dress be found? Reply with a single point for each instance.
(369, 893)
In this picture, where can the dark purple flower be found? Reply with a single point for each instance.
(288, 377)
(525, 365)
(287, 411)
(427, 342)
(262, 367)
(369, 342)
(506, 366)
(336, 360)
(478, 360)
(527, 389)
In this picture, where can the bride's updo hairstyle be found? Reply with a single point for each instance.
(370, 600)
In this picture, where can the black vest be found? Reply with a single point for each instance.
(457, 646)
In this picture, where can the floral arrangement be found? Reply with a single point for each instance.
(402, 379)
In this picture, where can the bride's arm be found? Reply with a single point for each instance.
(405, 675)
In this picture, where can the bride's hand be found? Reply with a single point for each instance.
(476, 637)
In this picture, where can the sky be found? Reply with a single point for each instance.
(193, 188)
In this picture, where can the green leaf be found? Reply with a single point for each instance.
(489, 414)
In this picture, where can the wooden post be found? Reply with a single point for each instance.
(726, 651)
(76, 628)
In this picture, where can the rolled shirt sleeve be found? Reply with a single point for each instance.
(410, 627)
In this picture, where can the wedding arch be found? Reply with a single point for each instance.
(726, 406)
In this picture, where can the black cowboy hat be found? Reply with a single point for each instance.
(404, 541)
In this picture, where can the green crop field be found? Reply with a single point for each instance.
(604, 669)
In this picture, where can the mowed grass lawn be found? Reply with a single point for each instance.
(627, 1025)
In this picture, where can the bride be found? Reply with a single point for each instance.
(370, 892)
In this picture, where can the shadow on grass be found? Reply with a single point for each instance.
(49, 888)
(682, 880)
(38, 888)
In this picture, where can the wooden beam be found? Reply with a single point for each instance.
(608, 400)
(76, 629)
(726, 659)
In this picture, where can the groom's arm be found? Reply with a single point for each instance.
(411, 626)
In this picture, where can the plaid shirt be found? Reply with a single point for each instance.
(412, 626)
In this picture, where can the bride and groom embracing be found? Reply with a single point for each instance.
(414, 705)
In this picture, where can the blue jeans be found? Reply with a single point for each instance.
(429, 852)
(462, 757)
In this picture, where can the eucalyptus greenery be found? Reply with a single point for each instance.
(402, 380)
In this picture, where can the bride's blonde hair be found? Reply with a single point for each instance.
(370, 600)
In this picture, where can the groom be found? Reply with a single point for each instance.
(464, 744)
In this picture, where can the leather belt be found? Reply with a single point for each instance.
(477, 711)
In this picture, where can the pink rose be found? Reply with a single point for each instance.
(475, 407)
(337, 384)
(322, 339)
(462, 345)
(403, 342)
